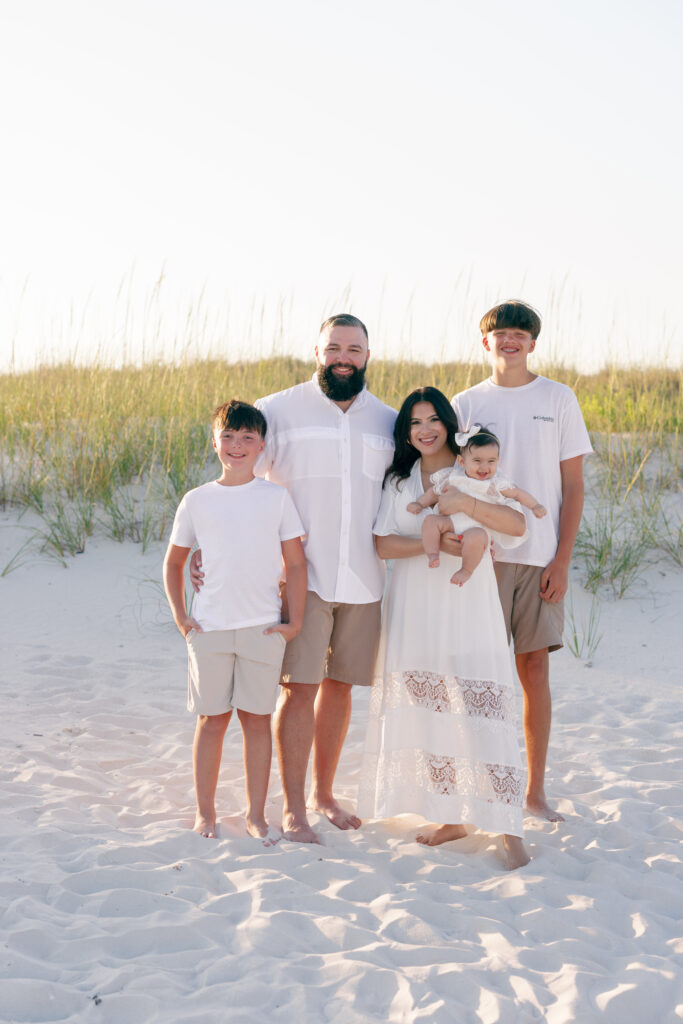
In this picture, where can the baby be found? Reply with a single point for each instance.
(476, 474)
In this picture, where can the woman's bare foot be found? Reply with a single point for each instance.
(205, 827)
(435, 835)
(297, 830)
(460, 577)
(542, 809)
(516, 855)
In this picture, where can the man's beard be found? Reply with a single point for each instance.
(341, 389)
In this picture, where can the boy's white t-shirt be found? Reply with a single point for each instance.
(240, 530)
(539, 425)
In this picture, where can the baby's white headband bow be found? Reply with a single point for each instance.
(462, 438)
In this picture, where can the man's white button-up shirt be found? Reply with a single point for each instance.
(333, 464)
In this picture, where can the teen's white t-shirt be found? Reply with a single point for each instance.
(539, 425)
(240, 530)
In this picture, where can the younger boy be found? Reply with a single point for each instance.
(543, 440)
(247, 528)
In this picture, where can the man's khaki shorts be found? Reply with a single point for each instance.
(233, 668)
(337, 641)
(534, 624)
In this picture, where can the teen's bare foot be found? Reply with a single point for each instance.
(542, 809)
(516, 855)
(333, 812)
(262, 830)
(205, 827)
(460, 577)
(297, 830)
(435, 835)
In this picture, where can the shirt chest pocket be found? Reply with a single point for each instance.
(307, 453)
(377, 455)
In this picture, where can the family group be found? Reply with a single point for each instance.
(321, 485)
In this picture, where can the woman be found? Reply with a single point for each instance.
(441, 738)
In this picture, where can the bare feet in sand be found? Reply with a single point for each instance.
(297, 830)
(435, 835)
(205, 827)
(515, 852)
(333, 812)
(542, 809)
(261, 830)
(460, 577)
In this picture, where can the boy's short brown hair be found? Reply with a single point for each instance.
(512, 313)
(236, 415)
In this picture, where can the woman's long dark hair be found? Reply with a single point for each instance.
(405, 456)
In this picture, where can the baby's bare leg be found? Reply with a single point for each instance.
(432, 529)
(474, 544)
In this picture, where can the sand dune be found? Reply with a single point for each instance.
(113, 910)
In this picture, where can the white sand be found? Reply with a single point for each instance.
(113, 910)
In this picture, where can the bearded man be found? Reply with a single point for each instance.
(329, 442)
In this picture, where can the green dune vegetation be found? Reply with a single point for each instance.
(97, 448)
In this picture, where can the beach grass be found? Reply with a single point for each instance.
(114, 448)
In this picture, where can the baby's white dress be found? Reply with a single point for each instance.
(442, 738)
(483, 490)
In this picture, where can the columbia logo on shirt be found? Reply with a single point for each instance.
(546, 419)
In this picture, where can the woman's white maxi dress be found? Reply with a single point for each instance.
(442, 732)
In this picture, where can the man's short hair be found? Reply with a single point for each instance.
(343, 320)
(512, 313)
(236, 415)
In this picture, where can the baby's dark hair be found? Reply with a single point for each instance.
(481, 439)
(236, 415)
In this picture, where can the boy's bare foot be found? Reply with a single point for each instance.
(435, 835)
(297, 830)
(460, 577)
(335, 813)
(516, 855)
(433, 561)
(262, 830)
(542, 809)
(205, 827)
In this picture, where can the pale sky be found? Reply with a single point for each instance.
(278, 162)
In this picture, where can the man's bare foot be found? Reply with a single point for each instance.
(435, 835)
(205, 827)
(460, 577)
(542, 809)
(516, 855)
(333, 812)
(297, 830)
(433, 561)
(262, 830)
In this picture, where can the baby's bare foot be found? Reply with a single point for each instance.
(435, 835)
(205, 827)
(434, 561)
(460, 577)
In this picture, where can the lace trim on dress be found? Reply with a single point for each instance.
(449, 775)
(474, 697)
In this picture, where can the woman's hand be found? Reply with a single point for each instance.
(452, 500)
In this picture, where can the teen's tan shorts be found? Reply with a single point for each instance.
(233, 668)
(337, 641)
(533, 623)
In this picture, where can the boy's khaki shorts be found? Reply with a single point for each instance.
(337, 641)
(233, 668)
(534, 624)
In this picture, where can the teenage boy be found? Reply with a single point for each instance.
(543, 441)
(247, 527)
